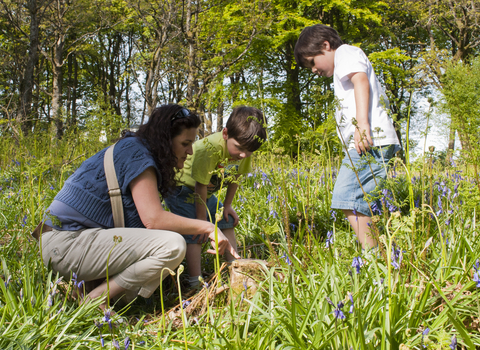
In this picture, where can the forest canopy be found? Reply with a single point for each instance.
(68, 66)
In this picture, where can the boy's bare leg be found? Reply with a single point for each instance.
(361, 225)
(194, 259)
(114, 289)
(230, 234)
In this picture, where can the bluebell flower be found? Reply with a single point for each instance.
(440, 209)
(75, 280)
(476, 279)
(185, 303)
(115, 344)
(287, 259)
(107, 317)
(49, 301)
(269, 197)
(476, 265)
(357, 263)
(453, 344)
(102, 342)
(273, 213)
(396, 257)
(333, 213)
(375, 208)
(24, 222)
(338, 312)
(127, 343)
(245, 286)
(424, 333)
(293, 226)
(7, 282)
(329, 240)
(51, 187)
(352, 304)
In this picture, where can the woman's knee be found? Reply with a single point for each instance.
(178, 248)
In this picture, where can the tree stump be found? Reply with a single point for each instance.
(245, 275)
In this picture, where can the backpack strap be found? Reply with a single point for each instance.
(114, 190)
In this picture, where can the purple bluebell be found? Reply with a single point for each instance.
(287, 259)
(126, 343)
(476, 279)
(333, 213)
(375, 208)
(396, 257)
(273, 213)
(357, 263)
(424, 333)
(49, 301)
(107, 317)
(440, 208)
(115, 344)
(338, 312)
(453, 344)
(329, 240)
(102, 341)
(185, 303)
(476, 265)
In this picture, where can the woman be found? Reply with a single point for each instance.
(78, 236)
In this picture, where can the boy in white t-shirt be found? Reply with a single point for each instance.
(363, 124)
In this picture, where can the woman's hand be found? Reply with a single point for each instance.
(223, 244)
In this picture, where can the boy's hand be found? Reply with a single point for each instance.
(202, 237)
(362, 138)
(223, 244)
(228, 209)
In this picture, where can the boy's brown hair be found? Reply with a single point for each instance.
(311, 42)
(247, 125)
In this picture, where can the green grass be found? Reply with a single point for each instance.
(284, 210)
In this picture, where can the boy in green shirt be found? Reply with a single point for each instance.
(227, 150)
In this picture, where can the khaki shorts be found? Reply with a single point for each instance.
(135, 263)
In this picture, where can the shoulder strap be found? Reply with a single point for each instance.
(113, 189)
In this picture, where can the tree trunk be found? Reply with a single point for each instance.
(220, 109)
(57, 64)
(26, 84)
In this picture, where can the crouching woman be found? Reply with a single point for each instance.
(78, 234)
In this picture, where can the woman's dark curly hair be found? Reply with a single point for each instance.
(157, 134)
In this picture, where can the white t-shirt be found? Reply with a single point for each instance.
(351, 59)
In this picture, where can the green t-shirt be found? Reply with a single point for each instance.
(208, 156)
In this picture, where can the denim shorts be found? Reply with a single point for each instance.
(371, 170)
(181, 202)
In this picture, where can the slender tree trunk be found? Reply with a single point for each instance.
(74, 90)
(292, 81)
(57, 85)
(26, 84)
(220, 109)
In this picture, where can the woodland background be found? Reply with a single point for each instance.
(68, 67)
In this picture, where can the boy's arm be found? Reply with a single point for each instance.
(201, 200)
(227, 203)
(361, 88)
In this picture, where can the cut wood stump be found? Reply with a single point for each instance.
(245, 275)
